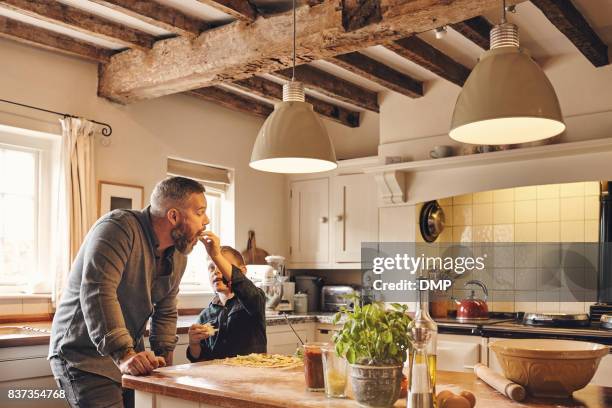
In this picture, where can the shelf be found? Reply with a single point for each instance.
(506, 156)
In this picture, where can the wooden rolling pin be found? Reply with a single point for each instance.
(510, 389)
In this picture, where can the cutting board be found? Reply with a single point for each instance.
(253, 255)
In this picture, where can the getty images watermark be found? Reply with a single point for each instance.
(411, 265)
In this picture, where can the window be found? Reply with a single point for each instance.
(196, 273)
(18, 215)
(220, 212)
(28, 177)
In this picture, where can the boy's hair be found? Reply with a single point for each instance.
(237, 255)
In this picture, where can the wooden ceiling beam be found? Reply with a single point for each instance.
(375, 71)
(158, 15)
(476, 29)
(233, 100)
(271, 90)
(239, 9)
(564, 15)
(430, 58)
(38, 37)
(332, 86)
(239, 50)
(71, 17)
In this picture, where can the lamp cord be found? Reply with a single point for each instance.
(503, 20)
(294, 30)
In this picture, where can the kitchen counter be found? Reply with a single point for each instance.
(43, 329)
(217, 385)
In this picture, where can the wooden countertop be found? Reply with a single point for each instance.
(232, 387)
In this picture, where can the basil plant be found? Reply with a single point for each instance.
(373, 335)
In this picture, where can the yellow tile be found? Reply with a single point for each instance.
(548, 307)
(548, 191)
(446, 235)
(548, 209)
(572, 231)
(482, 233)
(548, 231)
(572, 209)
(525, 211)
(503, 233)
(591, 231)
(462, 234)
(571, 307)
(445, 201)
(571, 190)
(482, 214)
(500, 196)
(503, 213)
(462, 199)
(448, 215)
(525, 232)
(501, 306)
(462, 215)
(587, 306)
(525, 193)
(483, 197)
(592, 188)
(591, 207)
(528, 307)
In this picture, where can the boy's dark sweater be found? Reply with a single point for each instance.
(241, 322)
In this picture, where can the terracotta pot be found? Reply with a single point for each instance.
(376, 386)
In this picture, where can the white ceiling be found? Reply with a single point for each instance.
(537, 33)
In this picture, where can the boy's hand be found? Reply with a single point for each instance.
(198, 332)
(212, 243)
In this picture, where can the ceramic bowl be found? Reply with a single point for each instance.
(549, 368)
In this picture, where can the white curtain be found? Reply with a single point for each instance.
(76, 196)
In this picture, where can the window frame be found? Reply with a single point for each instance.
(46, 147)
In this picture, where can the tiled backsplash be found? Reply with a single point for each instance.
(522, 217)
(26, 305)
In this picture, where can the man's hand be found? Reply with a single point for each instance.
(212, 243)
(142, 363)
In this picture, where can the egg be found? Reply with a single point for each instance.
(442, 397)
(469, 396)
(456, 401)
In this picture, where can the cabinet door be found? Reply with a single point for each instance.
(310, 221)
(354, 215)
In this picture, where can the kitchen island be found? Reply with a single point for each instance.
(210, 384)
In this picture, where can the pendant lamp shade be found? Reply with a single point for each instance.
(507, 98)
(293, 139)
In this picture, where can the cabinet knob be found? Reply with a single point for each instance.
(340, 218)
(323, 220)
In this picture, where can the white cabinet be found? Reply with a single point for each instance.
(282, 340)
(458, 352)
(309, 221)
(330, 218)
(354, 215)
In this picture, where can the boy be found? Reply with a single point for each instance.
(237, 312)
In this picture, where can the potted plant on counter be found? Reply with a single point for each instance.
(375, 341)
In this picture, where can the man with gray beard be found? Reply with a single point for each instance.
(128, 270)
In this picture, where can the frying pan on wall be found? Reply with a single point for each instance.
(431, 221)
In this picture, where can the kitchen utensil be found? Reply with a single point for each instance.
(556, 319)
(511, 390)
(473, 308)
(294, 332)
(277, 263)
(311, 285)
(562, 366)
(300, 303)
(252, 254)
(431, 221)
(439, 152)
(272, 287)
(333, 297)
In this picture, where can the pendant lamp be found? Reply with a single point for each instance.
(507, 98)
(293, 138)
